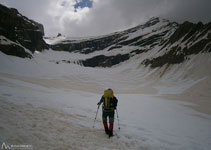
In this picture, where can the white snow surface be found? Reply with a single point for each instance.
(53, 106)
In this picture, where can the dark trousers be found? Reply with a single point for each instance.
(108, 114)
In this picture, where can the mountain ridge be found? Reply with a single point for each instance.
(170, 42)
(163, 42)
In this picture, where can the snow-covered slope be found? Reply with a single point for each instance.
(55, 104)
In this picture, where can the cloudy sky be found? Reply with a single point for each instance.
(77, 18)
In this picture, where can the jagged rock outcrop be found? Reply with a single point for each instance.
(20, 34)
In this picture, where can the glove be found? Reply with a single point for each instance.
(98, 103)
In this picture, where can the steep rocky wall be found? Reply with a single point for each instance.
(20, 30)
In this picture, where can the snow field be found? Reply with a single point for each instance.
(61, 118)
(53, 106)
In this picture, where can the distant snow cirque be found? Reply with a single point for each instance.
(162, 42)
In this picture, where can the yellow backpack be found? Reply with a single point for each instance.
(108, 97)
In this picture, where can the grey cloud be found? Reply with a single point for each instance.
(108, 16)
(191, 10)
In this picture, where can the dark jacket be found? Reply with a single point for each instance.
(114, 102)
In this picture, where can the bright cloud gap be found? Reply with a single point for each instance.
(82, 4)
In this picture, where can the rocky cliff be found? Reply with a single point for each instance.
(19, 36)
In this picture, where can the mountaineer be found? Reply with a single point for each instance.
(109, 105)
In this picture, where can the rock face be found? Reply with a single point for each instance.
(161, 41)
(19, 34)
(40, 26)
(14, 50)
(105, 61)
(188, 39)
(87, 46)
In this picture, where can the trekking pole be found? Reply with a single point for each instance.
(96, 115)
(117, 117)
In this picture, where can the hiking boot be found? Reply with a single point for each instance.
(106, 130)
(110, 133)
